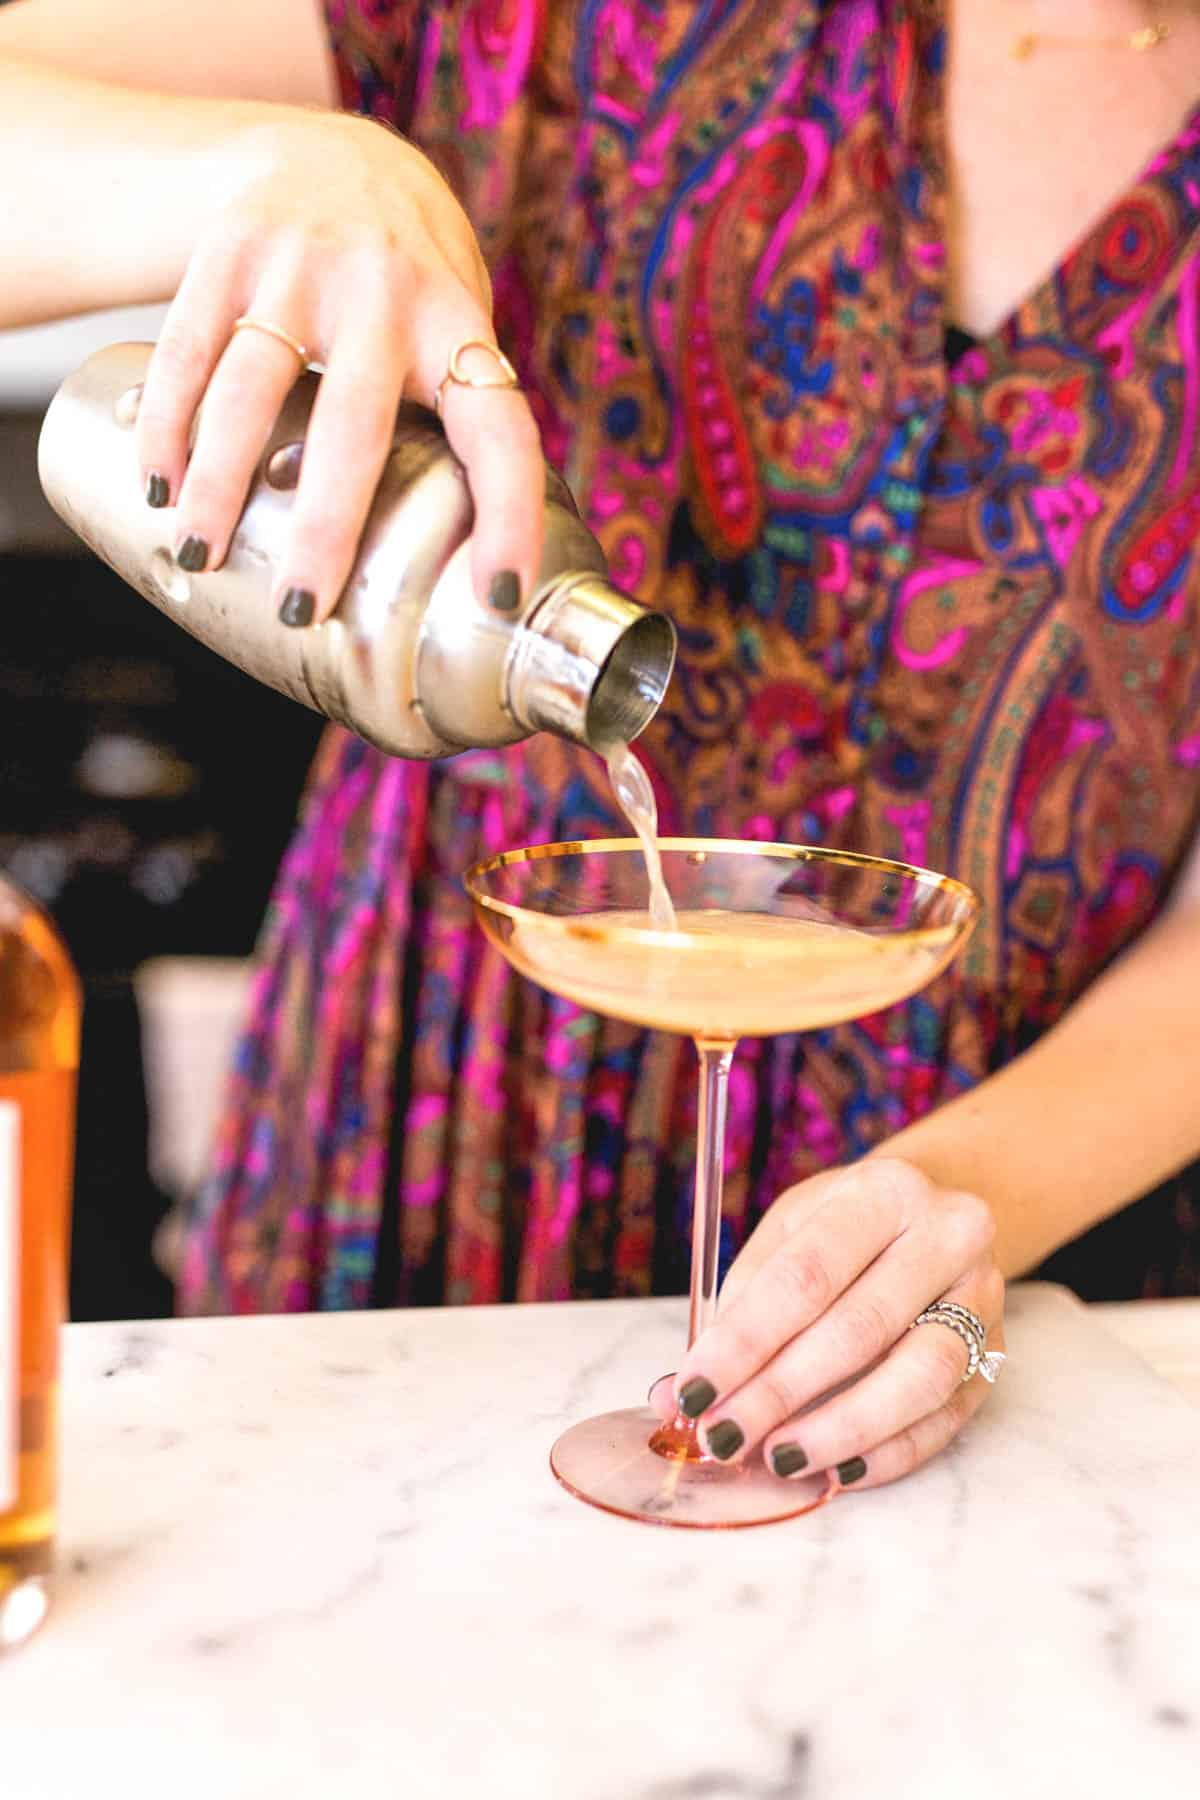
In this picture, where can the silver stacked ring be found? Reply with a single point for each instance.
(970, 1319)
(940, 1314)
(973, 1332)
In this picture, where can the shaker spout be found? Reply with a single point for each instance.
(589, 664)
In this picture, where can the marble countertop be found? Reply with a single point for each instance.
(1164, 1333)
(325, 1556)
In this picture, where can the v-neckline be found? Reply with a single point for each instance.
(999, 342)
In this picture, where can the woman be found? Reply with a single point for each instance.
(800, 303)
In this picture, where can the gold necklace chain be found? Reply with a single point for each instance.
(1146, 37)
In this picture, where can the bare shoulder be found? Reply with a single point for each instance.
(231, 49)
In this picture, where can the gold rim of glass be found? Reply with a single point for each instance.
(927, 878)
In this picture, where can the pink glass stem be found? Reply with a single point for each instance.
(715, 1061)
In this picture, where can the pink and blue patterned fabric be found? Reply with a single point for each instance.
(939, 611)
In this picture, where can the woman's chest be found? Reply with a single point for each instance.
(720, 235)
(653, 136)
(1039, 145)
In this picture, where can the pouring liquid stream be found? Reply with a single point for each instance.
(635, 796)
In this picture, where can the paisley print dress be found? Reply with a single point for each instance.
(940, 606)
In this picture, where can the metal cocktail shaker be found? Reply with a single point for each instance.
(409, 660)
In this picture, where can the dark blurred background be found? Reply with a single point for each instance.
(146, 792)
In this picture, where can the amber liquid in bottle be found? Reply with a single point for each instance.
(39, 1055)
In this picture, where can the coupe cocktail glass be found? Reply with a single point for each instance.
(771, 938)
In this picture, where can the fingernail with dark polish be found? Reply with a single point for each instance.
(788, 1459)
(725, 1439)
(658, 1384)
(157, 491)
(505, 591)
(695, 1395)
(299, 605)
(854, 1470)
(192, 555)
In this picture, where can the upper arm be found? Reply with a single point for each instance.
(223, 49)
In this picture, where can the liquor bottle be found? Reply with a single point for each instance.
(409, 659)
(39, 1058)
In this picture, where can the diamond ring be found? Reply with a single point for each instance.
(973, 1332)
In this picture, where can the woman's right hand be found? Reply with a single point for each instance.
(346, 238)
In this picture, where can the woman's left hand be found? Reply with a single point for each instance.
(810, 1362)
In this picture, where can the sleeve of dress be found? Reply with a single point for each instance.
(377, 47)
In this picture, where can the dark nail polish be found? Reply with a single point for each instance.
(725, 1440)
(788, 1459)
(298, 607)
(854, 1470)
(505, 591)
(695, 1395)
(658, 1383)
(157, 491)
(192, 555)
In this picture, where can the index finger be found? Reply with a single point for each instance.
(493, 433)
(792, 1288)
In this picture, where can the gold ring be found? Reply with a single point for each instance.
(247, 323)
(506, 378)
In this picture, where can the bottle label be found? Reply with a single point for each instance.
(10, 1295)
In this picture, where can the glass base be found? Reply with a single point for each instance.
(632, 1464)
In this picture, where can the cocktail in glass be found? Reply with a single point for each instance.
(770, 938)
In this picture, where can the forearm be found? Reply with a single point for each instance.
(1103, 1108)
(106, 189)
(122, 127)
